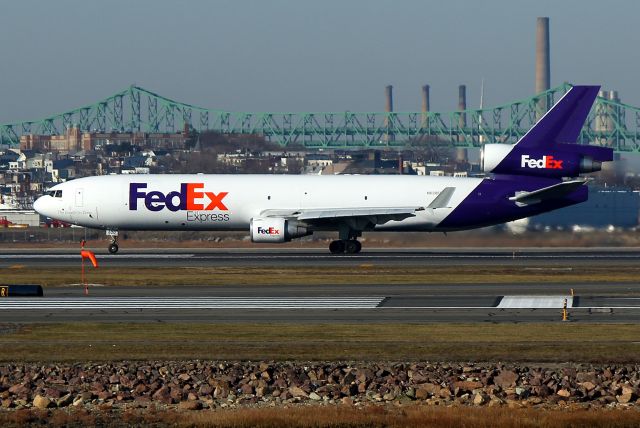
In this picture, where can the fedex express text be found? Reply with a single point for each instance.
(200, 205)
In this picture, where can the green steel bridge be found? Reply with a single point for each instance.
(135, 109)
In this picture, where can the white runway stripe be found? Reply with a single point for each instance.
(535, 302)
(193, 303)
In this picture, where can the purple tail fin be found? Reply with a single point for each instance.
(548, 148)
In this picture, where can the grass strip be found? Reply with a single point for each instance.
(370, 274)
(536, 342)
(333, 416)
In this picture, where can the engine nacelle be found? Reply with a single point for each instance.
(276, 229)
(493, 154)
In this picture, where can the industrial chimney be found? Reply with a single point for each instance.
(425, 105)
(388, 107)
(543, 67)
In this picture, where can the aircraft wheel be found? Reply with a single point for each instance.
(358, 246)
(113, 248)
(351, 246)
(337, 247)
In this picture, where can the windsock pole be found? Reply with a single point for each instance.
(86, 254)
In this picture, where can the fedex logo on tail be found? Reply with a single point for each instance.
(546, 162)
(191, 197)
(268, 231)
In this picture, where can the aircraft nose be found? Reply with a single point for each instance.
(40, 205)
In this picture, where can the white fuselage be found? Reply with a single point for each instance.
(229, 202)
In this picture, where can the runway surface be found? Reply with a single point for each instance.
(356, 303)
(328, 304)
(321, 257)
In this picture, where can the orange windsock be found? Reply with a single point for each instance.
(86, 254)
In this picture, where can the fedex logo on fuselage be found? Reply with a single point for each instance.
(190, 197)
(268, 231)
(547, 162)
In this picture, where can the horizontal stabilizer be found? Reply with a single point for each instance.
(552, 192)
(443, 198)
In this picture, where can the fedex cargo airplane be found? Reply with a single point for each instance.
(540, 173)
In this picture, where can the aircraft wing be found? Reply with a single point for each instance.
(374, 215)
(551, 192)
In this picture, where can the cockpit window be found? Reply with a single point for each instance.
(50, 193)
(54, 193)
(58, 194)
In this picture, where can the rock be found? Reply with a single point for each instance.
(495, 401)
(53, 393)
(625, 397)
(588, 386)
(246, 389)
(349, 390)
(64, 401)
(467, 385)
(184, 377)
(40, 402)
(205, 390)
(421, 394)
(314, 396)
(347, 401)
(190, 405)
(506, 379)
(140, 388)
(221, 392)
(429, 387)
(389, 396)
(19, 390)
(296, 391)
(411, 393)
(78, 401)
(479, 399)
(444, 393)
(163, 391)
(564, 393)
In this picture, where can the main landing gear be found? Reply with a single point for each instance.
(345, 246)
(348, 242)
(113, 246)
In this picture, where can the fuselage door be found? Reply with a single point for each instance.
(79, 197)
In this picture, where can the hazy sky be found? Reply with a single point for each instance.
(327, 55)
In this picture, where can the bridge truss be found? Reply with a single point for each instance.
(610, 123)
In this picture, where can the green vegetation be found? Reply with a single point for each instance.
(536, 342)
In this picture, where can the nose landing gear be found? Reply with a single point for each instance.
(113, 246)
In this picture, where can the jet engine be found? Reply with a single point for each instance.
(277, 229)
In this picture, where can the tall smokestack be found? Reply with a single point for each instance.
(461, 152)
(543, 64)
(425, 105)
(388, 107)
(462, 104)
(388, 98)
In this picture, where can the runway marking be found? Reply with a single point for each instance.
(209, 302)
(192, 303)
(535, 302)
